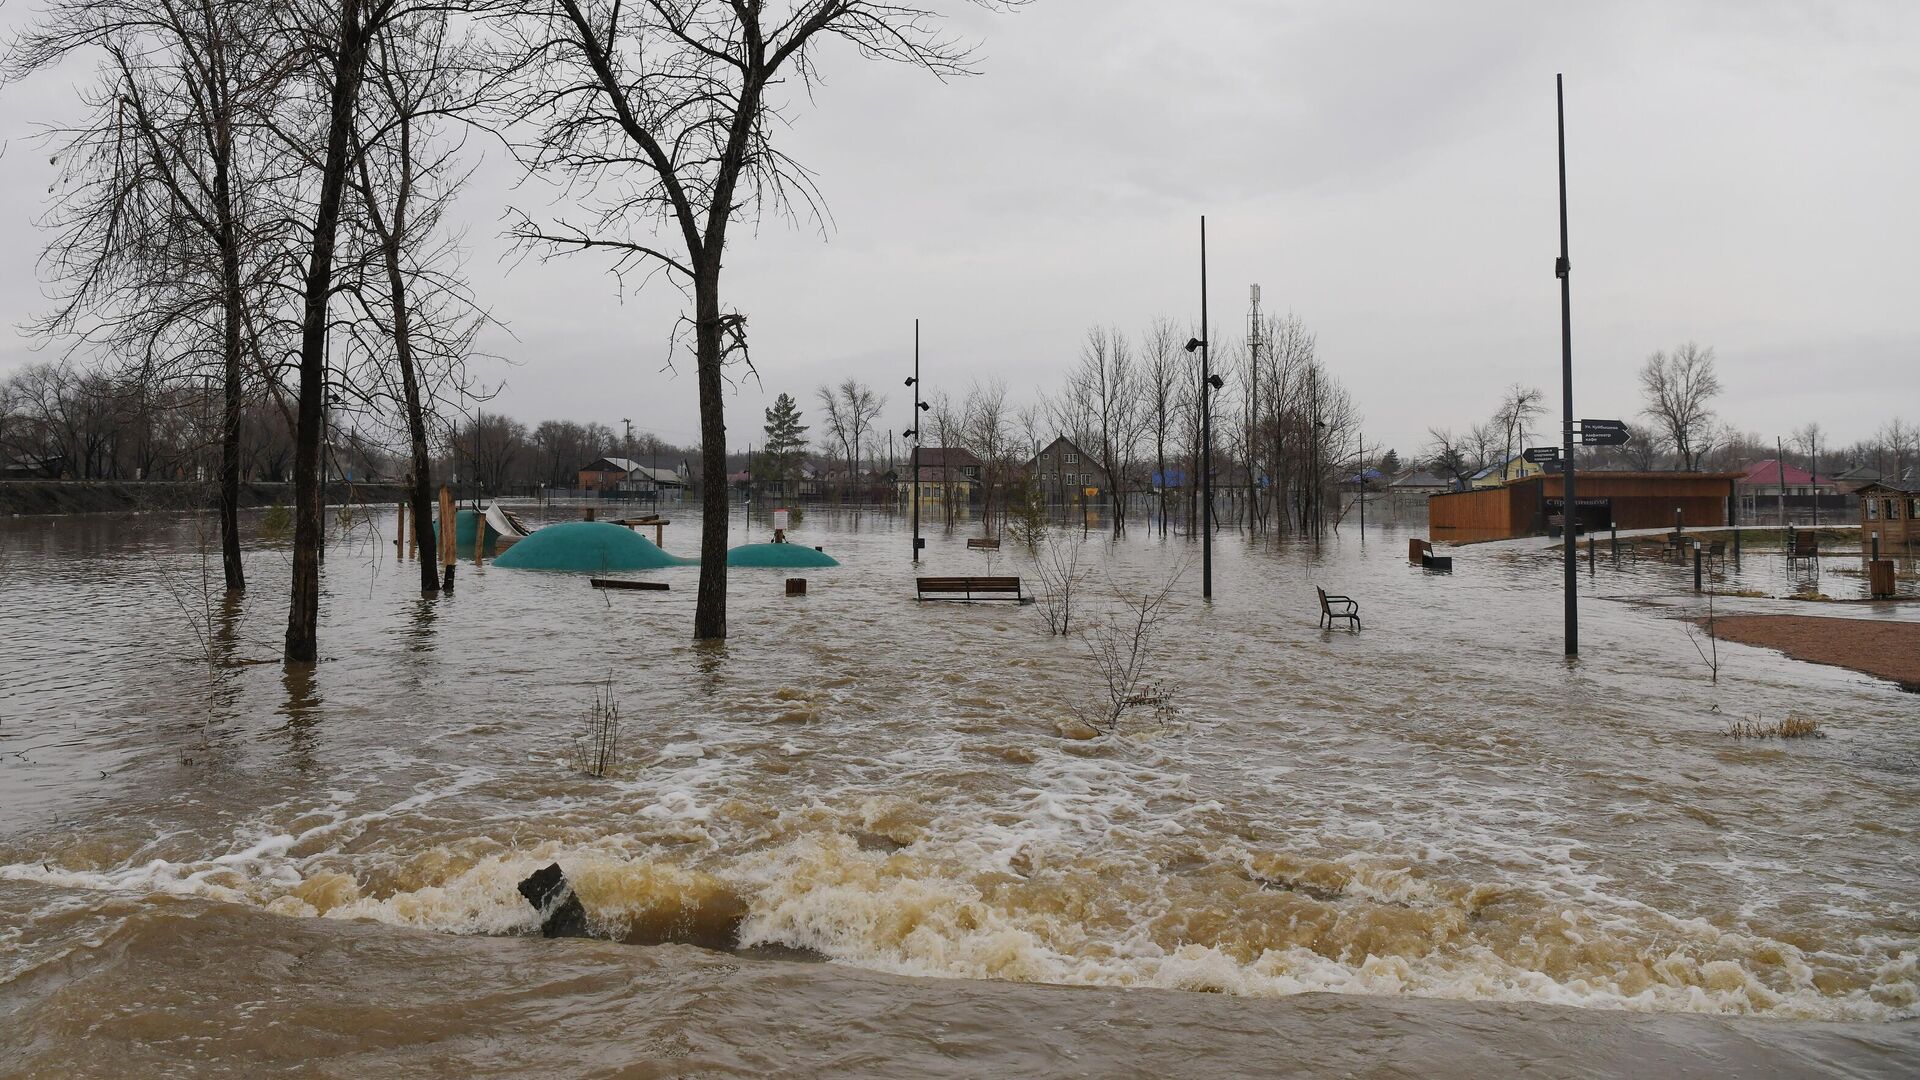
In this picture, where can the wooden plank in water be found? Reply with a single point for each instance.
(622, 583)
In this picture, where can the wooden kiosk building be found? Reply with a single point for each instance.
(1889, 514)
(1624, 500)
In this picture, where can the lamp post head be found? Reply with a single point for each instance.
(911, 380)
(907, 434)
(924, 407)
(1194, 343)
(1216, 381)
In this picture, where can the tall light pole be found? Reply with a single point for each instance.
(1569, 508)
(914, 434)
(1208, 382)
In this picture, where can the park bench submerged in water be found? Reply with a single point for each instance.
(1338, 607)
(970, 588)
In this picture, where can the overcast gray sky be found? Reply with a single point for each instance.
(1743, 174)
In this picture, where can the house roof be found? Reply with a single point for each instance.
(1859, 474)
(939, 457)
(1909, 487)
(1769, 472)
(1086, 459)
(1420, 478)
(1501, 467)
(619, 463)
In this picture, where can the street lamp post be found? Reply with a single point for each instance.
(913, 433)
(1569, 508)
(1208, 382)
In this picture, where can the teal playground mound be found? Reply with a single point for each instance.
(587, 547)
(464, 524)
(778, 556)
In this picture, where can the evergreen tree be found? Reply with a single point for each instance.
(1390, 463)
(786, 443)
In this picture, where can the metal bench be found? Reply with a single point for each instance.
(1338, 607)
(989, 543)
(1806, 549)
(970, 589)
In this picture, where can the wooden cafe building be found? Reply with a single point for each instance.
(1623, 500)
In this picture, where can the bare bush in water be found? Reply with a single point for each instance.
(1122, 646)
(1710, 652)
(597, 750)
(1793, 727)
(1057, 564)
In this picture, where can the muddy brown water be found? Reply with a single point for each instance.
(1431, 848)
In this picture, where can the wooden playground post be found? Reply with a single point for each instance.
(479, 536)
(400, 532)
(447, 543)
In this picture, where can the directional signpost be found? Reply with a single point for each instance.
(1540, 455)
(1604, 433)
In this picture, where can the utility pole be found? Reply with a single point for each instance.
(1780, 468)
(1813, 451)
(1362, 472)
(1253, 405)
(1569, 514)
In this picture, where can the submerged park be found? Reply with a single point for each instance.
(441, 637)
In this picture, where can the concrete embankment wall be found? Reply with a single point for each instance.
(129, 496)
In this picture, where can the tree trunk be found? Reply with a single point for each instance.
(230, 300)
(710, 606)
(421, 485)
(236, 574)
(303, 613)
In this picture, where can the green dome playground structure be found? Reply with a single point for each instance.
(464, 523)
(586, 547)
(778, 556)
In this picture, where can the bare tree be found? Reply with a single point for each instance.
(1446, 456)
(989, 435)
(405, 176)
(156, 218)
(1105, 392)
(674, 103)
(1162, 376)
(1898, 441)
(1679, 389)
(851, 408)
(1518, 409)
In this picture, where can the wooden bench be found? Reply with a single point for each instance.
(970, 589)
(1338, 607)
(624, 583)
(989, 543)
(1421, 551)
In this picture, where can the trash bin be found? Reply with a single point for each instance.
(1880, 578)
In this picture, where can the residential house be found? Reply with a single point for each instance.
(943, 470)
(647, 482)
(1419, 482)
(605, 473)
(1772, 478)
(1514, 468)
(1066, 473)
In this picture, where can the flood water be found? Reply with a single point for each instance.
(871, 836)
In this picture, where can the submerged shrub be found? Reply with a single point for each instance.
(1793, 727)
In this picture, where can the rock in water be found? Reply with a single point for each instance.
(560, 912)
